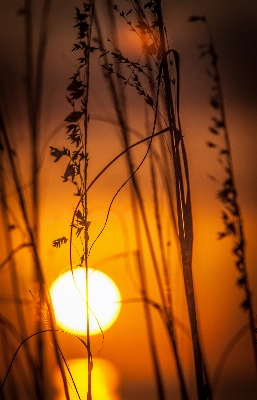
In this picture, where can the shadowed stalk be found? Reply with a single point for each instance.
(77, 131)
(8, 327)
(167, 282)
(167, 166)
(144, 293)
(34, 85)
(19, 310)
(34, 249)
(6, 346)
(34, 88)
(149, 324)
(184, 212)
(118, 101)
(36, 334)
(231, 216)
(85, 205)
(227, 351)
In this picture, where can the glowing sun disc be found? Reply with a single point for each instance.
(69, 304)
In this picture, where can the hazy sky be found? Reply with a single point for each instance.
(234, 27)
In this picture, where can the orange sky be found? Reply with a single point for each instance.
(217, 296)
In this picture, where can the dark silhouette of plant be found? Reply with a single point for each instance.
(227, 194)
(22, 214)
(77, 132)
(160, 86)
(162, 213)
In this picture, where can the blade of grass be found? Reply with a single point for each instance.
(184, 212)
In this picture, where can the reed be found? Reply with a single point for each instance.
(228, 195)
(156, 179)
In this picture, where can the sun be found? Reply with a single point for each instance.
(68, 295)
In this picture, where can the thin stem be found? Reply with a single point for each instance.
(228, 195)
(86, 236)
(184, 213)
(38, 268)
(149, 324)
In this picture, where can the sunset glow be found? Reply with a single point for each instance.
(128, 140)
(105, 380)
(68, 295)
